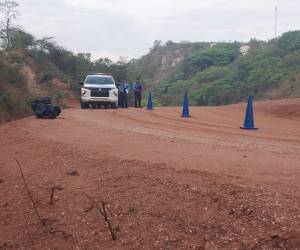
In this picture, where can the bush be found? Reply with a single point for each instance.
(218, 55)
(11, 75)
(21, 39)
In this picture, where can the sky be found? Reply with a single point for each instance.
(128, 28)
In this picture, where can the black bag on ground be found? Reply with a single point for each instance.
(43, 108)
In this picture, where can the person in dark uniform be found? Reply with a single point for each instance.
(120, 100)
(137, 88)
(124, 88)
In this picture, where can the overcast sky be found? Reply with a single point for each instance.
(116, 28)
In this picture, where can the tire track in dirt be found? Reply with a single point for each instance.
(169, 186)
(202, 127)
(212, 134)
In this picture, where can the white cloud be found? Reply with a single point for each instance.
(141, 9)
(119, 27)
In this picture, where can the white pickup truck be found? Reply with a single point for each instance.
(97, 90)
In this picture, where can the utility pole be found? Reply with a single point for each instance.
(276, 19)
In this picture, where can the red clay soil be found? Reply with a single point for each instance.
(169, 182)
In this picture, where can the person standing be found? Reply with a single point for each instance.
(124, 90)
(137, 88)
(120, 100)
(126, 87)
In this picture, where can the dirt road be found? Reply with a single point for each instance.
(170, 182)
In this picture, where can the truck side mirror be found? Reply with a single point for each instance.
(81, 83)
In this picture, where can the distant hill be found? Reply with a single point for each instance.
(222, 73)
(162, 60)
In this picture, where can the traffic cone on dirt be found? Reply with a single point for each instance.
(185, 106)
(249, 120)
(150, 103)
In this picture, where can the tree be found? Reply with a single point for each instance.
(156, 45)
(123, 59)
(103, 63)
(21, 39)
(85, 56)
(9, 14)
(45, 44)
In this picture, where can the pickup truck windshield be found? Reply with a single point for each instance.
(99, 80)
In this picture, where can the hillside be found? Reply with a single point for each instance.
(222, 73)
(21, 80)
(162, 60)
(40, 67)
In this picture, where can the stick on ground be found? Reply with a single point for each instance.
(103, 212)
(52, 195)
(43, 222)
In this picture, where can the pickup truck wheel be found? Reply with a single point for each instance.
(84, 105)
(114, 105)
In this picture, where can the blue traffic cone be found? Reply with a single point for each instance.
(185, 106)
(249, 120)
(150, 103)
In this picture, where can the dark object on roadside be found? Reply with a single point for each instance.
(73, 173)
(43, 109)
(1, 181)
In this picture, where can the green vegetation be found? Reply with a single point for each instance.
(14, 94)
(218, 55)
(56, 62)
(221, 75)
(153, 66)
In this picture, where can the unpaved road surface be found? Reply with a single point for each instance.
(169, 182)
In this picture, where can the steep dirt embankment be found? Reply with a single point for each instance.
(57, 87)
(15, 98)
(170, 182)
(69, 99)
(32, 85)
